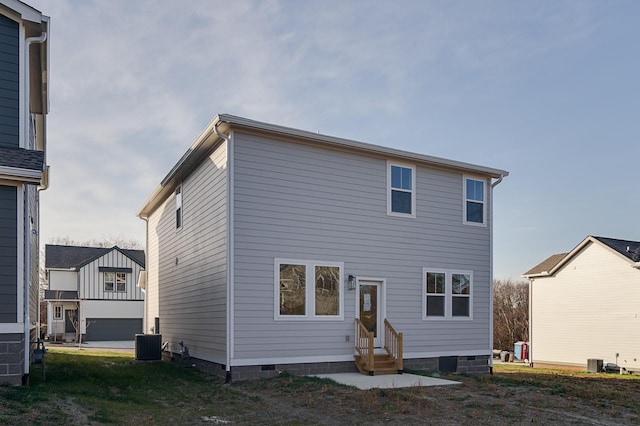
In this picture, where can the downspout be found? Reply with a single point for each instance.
(27, 222)
(146, 264)
(230, 247)
(493, 185)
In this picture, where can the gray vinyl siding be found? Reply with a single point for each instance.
(9, 83)
(8, 254)
(91, 280)
(191, 262)
(305, 202)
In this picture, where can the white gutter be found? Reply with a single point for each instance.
(493, 185)
(27, 222)
(230, 247)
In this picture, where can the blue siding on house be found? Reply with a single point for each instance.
(9, 83)
(8, 254)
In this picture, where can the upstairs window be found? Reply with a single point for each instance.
(475, 211)
(115, 281)
(401, 182)
(179, 207)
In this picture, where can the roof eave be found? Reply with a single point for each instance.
(20, 174)
(208, 139)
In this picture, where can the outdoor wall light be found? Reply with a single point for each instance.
(352, 282)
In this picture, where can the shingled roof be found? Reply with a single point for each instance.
(627, 248)
(70, 257)
(20, 158)
(546, 265)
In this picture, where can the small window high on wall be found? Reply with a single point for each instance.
(179, 207)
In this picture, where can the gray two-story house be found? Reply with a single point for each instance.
(23, 173)
(271, 249)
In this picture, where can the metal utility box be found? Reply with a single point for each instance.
(594, 365)
(148, 347)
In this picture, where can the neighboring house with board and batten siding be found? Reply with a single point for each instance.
(585, 305)
(24, 104)
(272, 249)
(93, 291)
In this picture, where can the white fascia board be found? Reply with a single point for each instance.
(347, 143)
(21, 175)
(25, 11)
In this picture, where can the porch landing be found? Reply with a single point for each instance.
(390, 381)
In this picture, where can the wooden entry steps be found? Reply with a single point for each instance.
(382, 364)
(370, 363)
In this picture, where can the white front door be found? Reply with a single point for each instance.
(370, 308)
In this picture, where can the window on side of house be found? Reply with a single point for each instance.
(109, 281)
(308, 290)
(447, 294)
(121, 282)
(57, 312)
(475, 210)
(401, 197)
(178, 197)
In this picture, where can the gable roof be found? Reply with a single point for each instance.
(546, 265)
(219, 128)
(75, 257)
(628, 249)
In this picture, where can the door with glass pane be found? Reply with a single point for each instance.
(370, 312)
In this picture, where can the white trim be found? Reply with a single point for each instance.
(243, 362)
(309, 289)
(412, 191)
(6, 328)
(20, 174)
(465, 200)
(463, 352)
(230, 350)
(382, 302)
(448, 295)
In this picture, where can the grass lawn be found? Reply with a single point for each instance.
(88, 387)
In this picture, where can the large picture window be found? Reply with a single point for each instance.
(474, 202)
(308, 290)
(401, 182)
(447, 294)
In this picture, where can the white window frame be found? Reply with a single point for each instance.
(115, 282)
(310, 299)
(413, 191)
(466, 200)
(125, 282)
(58, 312)
(448, 298)
(179, 207)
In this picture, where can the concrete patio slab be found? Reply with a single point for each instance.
(390, 381)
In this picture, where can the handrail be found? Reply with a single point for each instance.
(364, 345)
(393, 343)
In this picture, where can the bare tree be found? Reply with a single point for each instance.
(510, 313)
(109, 241)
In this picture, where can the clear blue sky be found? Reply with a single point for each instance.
(546, 89)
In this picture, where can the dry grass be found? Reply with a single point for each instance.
(110, 388)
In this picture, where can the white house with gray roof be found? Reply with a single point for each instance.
(271, 248)
(585, 304)
(93, 291)
(24, 104)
